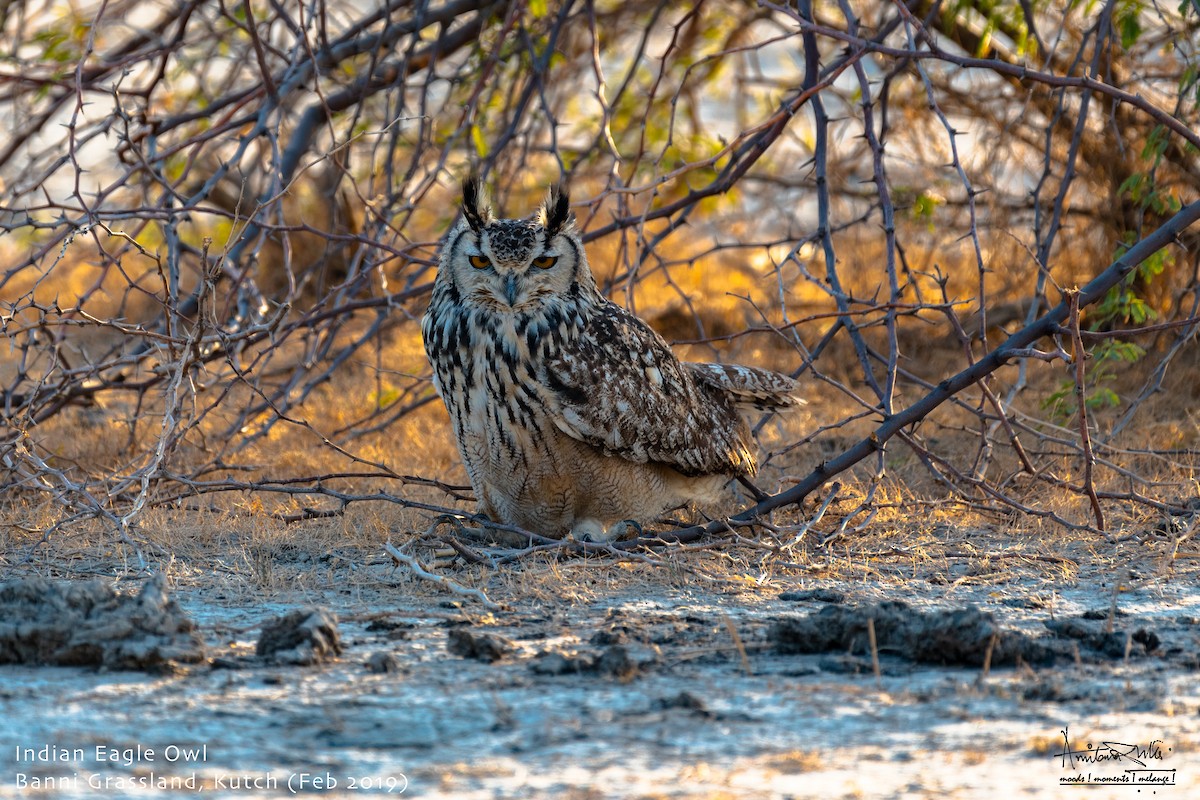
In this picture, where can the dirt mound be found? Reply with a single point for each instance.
(90, 624)
(956, 637)
(480, 646)
(621, 661)
(1103, 638)
(301, 637)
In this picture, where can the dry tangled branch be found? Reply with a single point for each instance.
(220, 223)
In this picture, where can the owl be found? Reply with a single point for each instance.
(571, 414)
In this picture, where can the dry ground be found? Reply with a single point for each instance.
(653, 674)
(653, 678)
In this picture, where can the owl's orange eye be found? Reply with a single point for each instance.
(480, 262)
(545, 262)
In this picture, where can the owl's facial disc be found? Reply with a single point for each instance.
(513, 264)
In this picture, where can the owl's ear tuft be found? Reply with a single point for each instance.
(475, 210)
(556, 213)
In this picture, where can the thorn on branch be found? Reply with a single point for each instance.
(1032, 352)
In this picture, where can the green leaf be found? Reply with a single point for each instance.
(1125, 351)
(1156, 264)
(477, 139)
(985, 40)
(1188, 79)
(1132, 186)
(1056, 402)
(1103, 398)
(538, 8)
(1131, 29)
(924, 207)
(1156, 143)
(1139, 312)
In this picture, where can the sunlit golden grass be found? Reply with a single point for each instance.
(916, 534)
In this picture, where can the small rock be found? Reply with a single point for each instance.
(1030, 601)
(383, 662)
(480, 646)
(621, 661)
(383, 625)
(555, 663)
(845, 665)
(1103, 613)
(231, 663)
(618, 631)
(302, 637)
(613, 636)
(684, 700)
(624, 662)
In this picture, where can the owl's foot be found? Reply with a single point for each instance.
(591, 530)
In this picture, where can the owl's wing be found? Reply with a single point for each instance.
(750, 387)
(619, 388)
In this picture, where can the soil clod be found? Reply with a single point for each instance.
(686, 701)
(383, 662)
(556, 663)
(956, 637)
(1096, 635)
(477, 645)
(814, 595)
(90, 624)
(965, 637)
(302, 637)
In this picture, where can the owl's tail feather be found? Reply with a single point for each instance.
(750, 387)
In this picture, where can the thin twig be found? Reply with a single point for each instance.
(1085, 436)
(421, 572)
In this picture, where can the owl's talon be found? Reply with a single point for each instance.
(593, 531)
(625, 529)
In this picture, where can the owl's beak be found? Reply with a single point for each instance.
(510, 289)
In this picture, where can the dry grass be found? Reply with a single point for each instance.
(920, 530)
(239, 547)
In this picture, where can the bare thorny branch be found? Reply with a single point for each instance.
(210, 220)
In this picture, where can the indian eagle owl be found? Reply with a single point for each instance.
(571, 414)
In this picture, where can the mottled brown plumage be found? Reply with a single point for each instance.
(570, 413)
